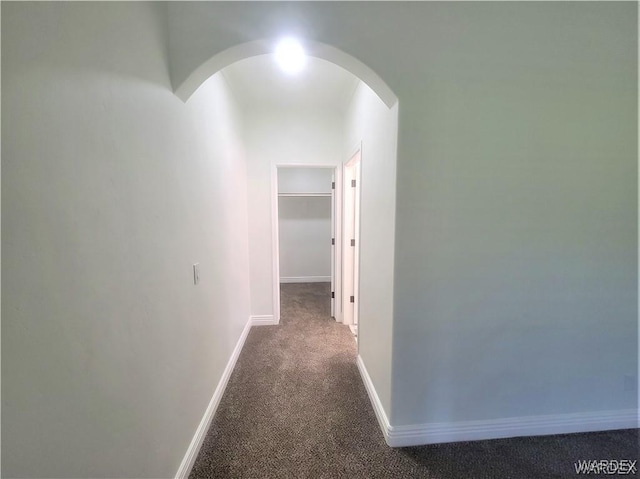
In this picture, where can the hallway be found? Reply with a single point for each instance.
(295, 407)
(497, 287)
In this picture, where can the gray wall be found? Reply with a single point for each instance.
(112, 188)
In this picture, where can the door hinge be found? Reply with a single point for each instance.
(333, 241)
(353, 183)
(352, 299)
(333, 185)
(353, 242)
(333, 294)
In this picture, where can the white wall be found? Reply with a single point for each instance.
(516, 227)
(284, 136)
(515, 279)
(304, 225)
(304, 180)
(305, 239)
(516, 239)
(372, 126)
(112, 188)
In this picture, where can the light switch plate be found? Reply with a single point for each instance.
(196, 273)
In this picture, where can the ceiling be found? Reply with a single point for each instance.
(258, 82)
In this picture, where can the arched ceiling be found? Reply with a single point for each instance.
(258, 82)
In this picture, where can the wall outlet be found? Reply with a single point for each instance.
(196, 273)
(629, 383)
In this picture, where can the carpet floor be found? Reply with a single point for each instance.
(295, 407)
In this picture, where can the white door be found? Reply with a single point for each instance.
(351, 245)
(333, 245)
(356, 247)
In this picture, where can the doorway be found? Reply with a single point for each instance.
(306, 231)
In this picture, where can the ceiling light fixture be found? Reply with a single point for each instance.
(290, 55)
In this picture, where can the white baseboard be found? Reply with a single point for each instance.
(203, 427)
(383, 421)
(435, 433)
(306, 279)
(263, 320)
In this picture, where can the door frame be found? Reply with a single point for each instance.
(337, 227)
(351, 260)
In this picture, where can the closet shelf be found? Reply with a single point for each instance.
(304, 194)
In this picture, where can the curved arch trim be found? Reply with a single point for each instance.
(262, 47)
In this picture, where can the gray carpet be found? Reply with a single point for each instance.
(295, 407)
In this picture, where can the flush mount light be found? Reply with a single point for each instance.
(290, 55)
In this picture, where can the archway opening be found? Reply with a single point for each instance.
(292, 121)
(267, 47)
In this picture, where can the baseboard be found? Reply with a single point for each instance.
(436, 433)
(263, 320)
(383, 421)
(203, 427)
(305, 279)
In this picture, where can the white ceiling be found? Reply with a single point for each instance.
(258, 82)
